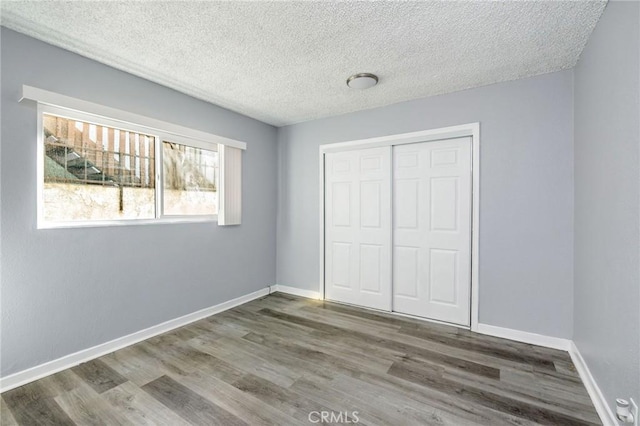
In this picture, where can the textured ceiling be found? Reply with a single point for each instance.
(287, 62)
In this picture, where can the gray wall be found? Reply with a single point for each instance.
(607, 202)
(526, 193)
(64, 290)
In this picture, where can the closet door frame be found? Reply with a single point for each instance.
(470, 129)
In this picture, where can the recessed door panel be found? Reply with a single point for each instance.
(340, 276)
(371, 204)
(442, 276)
(341, 166)
(444, 203)
(444, 157)
(407, 191)
(441, 236)
(370, 163)
(341, 205)
(407, 159)
(358, 216)
(406, 272)
(370, 273)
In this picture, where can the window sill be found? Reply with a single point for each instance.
(105, 223)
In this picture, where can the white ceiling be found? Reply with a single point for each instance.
(287, 62)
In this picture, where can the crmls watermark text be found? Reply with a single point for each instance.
(334, 417)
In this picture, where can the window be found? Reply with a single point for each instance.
(100, 166)
(190, 178)
(96, 172)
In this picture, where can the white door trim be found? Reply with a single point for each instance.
(470, 129)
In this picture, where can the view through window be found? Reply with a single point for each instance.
(190, 186)
(94, 172)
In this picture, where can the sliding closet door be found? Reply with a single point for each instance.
(358, 227)
(432, 230)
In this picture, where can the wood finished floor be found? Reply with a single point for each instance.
(276, 359)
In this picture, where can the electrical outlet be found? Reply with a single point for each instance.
(627, 411)
(633, 407)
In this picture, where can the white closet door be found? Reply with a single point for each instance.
(358, 227)
(432, 230)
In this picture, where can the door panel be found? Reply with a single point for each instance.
(341, 253)
(371, 204)
(358, 227)
(340, 203)
(407, 190)
(444, 204)
(442, 277)
(406, 270)
(370, 267)
(432, 224)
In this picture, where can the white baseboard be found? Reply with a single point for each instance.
(296, 291)
(34, 373)
(604, 411)
(29, 375)
(525, 337)
(599, 401)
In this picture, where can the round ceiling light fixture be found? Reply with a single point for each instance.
(363, 80)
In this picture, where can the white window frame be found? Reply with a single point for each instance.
(180, 140)
(76, 109)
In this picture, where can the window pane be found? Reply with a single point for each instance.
(94, 172)
(190, 180)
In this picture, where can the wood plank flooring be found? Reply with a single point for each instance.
(281, 359)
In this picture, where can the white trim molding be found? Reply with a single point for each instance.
(45, 97)
(463, 130)
(310, 294)
(34, 373)
(599, 401)
(525, 337)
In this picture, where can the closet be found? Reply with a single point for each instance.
(397, 228)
